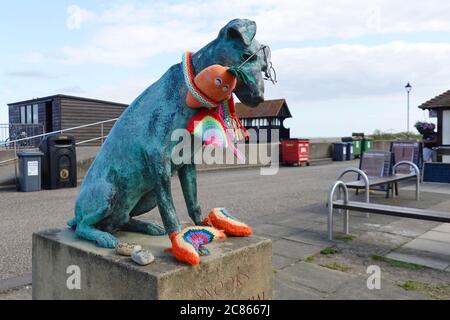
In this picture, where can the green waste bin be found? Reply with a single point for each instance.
(356, 148)
(366, 145)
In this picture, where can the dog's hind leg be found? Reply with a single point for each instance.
(93, 206)
(145, 204)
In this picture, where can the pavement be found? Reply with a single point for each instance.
(288, 208)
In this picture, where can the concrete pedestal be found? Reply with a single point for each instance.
(66, 267)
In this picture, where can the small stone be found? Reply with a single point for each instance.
(126, 249)
(142, 257)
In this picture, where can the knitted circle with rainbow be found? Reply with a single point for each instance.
(187, 245)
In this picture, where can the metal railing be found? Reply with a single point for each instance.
(338, 185)
(16, 143)
(16, 131)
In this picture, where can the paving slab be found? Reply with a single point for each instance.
(438, 247)
(437, 236)
(300, 223)
(411, 228)
(294, 249)
(420, 257)
(313, 276)
(23, 293)
(434, 187)
(384, 240)
(283, 290)
(280, 262)
(273, 231)
(311, 237)
(356, 289)
(445, 227)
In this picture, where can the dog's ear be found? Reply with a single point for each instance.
(239, 29)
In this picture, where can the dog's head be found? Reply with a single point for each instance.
(234, 45)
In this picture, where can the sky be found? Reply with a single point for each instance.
(342, 65)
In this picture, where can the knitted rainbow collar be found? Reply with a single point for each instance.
(188, 72)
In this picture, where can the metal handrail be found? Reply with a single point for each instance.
(338, 185)
(15, 142)
(416, 170)
(59, 131)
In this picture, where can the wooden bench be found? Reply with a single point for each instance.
(346, 205)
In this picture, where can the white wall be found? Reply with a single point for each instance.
(446, 127)
(446, 131)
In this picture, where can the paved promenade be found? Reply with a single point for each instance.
(290, 209)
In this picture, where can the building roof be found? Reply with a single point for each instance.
(49, 98)
(441, 101)
(267, 109)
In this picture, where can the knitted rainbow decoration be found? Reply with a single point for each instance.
(187, 245)
(209, 126)
(221, 219)
(218, 123)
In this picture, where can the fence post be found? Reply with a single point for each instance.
(15, 166)
(101, 126)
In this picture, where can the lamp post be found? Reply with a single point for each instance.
(408, 90)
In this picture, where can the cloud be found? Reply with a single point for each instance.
(71, 90)
(123, 91)
(131, 34)
(332, 88)
(76, 16)
(319, 73)
(30, 74)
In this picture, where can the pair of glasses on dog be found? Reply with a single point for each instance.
(270, 73)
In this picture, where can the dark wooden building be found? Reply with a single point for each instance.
(268, 115)
(439, 107)
(59, 112)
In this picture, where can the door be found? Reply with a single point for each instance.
(48, 117)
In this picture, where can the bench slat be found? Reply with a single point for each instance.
(380, 181)
(422, 214)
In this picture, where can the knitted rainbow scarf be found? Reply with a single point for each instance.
(217, 123)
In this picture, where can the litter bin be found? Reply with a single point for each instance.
(295, 151)
(349, 150)
(339, 151)
(366, 145)
(356, 148)
(59, 163)
(350, 147)
(29, 170)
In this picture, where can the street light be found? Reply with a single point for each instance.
(408, 88)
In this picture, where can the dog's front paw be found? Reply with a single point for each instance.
(106, 240)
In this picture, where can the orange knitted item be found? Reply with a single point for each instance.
(223, 220)
(187, 245)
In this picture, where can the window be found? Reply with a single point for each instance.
(22, 114)
(29, 114)
(35, 113)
